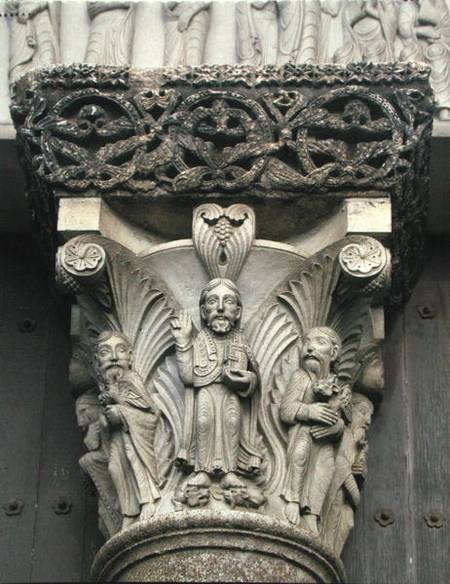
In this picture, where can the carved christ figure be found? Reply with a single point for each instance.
(314, 405)
(187, 26)
(110, 34)
(221, 386)
(33, 36)
(132, 419)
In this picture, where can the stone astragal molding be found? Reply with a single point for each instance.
(284, 133)
(228, 320)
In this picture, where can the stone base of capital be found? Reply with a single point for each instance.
(206, 546)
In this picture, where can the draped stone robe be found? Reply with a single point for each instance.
(343, 495)
(110, 34)
(94, 464)
(185, 47)
(310, 463)
(33, 40)
(132, 461)
(220, 431)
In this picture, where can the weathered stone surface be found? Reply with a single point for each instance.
(154, 34)
(204, 546)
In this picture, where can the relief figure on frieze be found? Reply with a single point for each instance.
(424, 28)
(221, 379)
(111, 33)
(33, 36)
(186, 29)
(270, 33)
(369, 31)
(132, 419)
(317, 406)
(257, 32)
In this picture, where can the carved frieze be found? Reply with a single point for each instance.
(190, 32)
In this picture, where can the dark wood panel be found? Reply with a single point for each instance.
(23, 366)
(376, 554)
(428, 384)
(14, 210)
(61, 534)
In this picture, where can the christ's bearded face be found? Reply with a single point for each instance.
(318, 352)
(113, 357)
(220, 310)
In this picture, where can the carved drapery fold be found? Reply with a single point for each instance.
(193, 33)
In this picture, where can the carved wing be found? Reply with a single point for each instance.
(307, 298)
(169, 391)
(271, 336)
(131, 299)
(347, 320)
(142, 307)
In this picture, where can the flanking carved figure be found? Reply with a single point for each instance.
(132, 419)
(317, 407)
(127, 425)
(310, 339)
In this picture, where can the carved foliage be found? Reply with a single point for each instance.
(223, 237)
(226, 138)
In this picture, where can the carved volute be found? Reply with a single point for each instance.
(230, 237)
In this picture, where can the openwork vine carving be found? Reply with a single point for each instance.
(226, 138)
